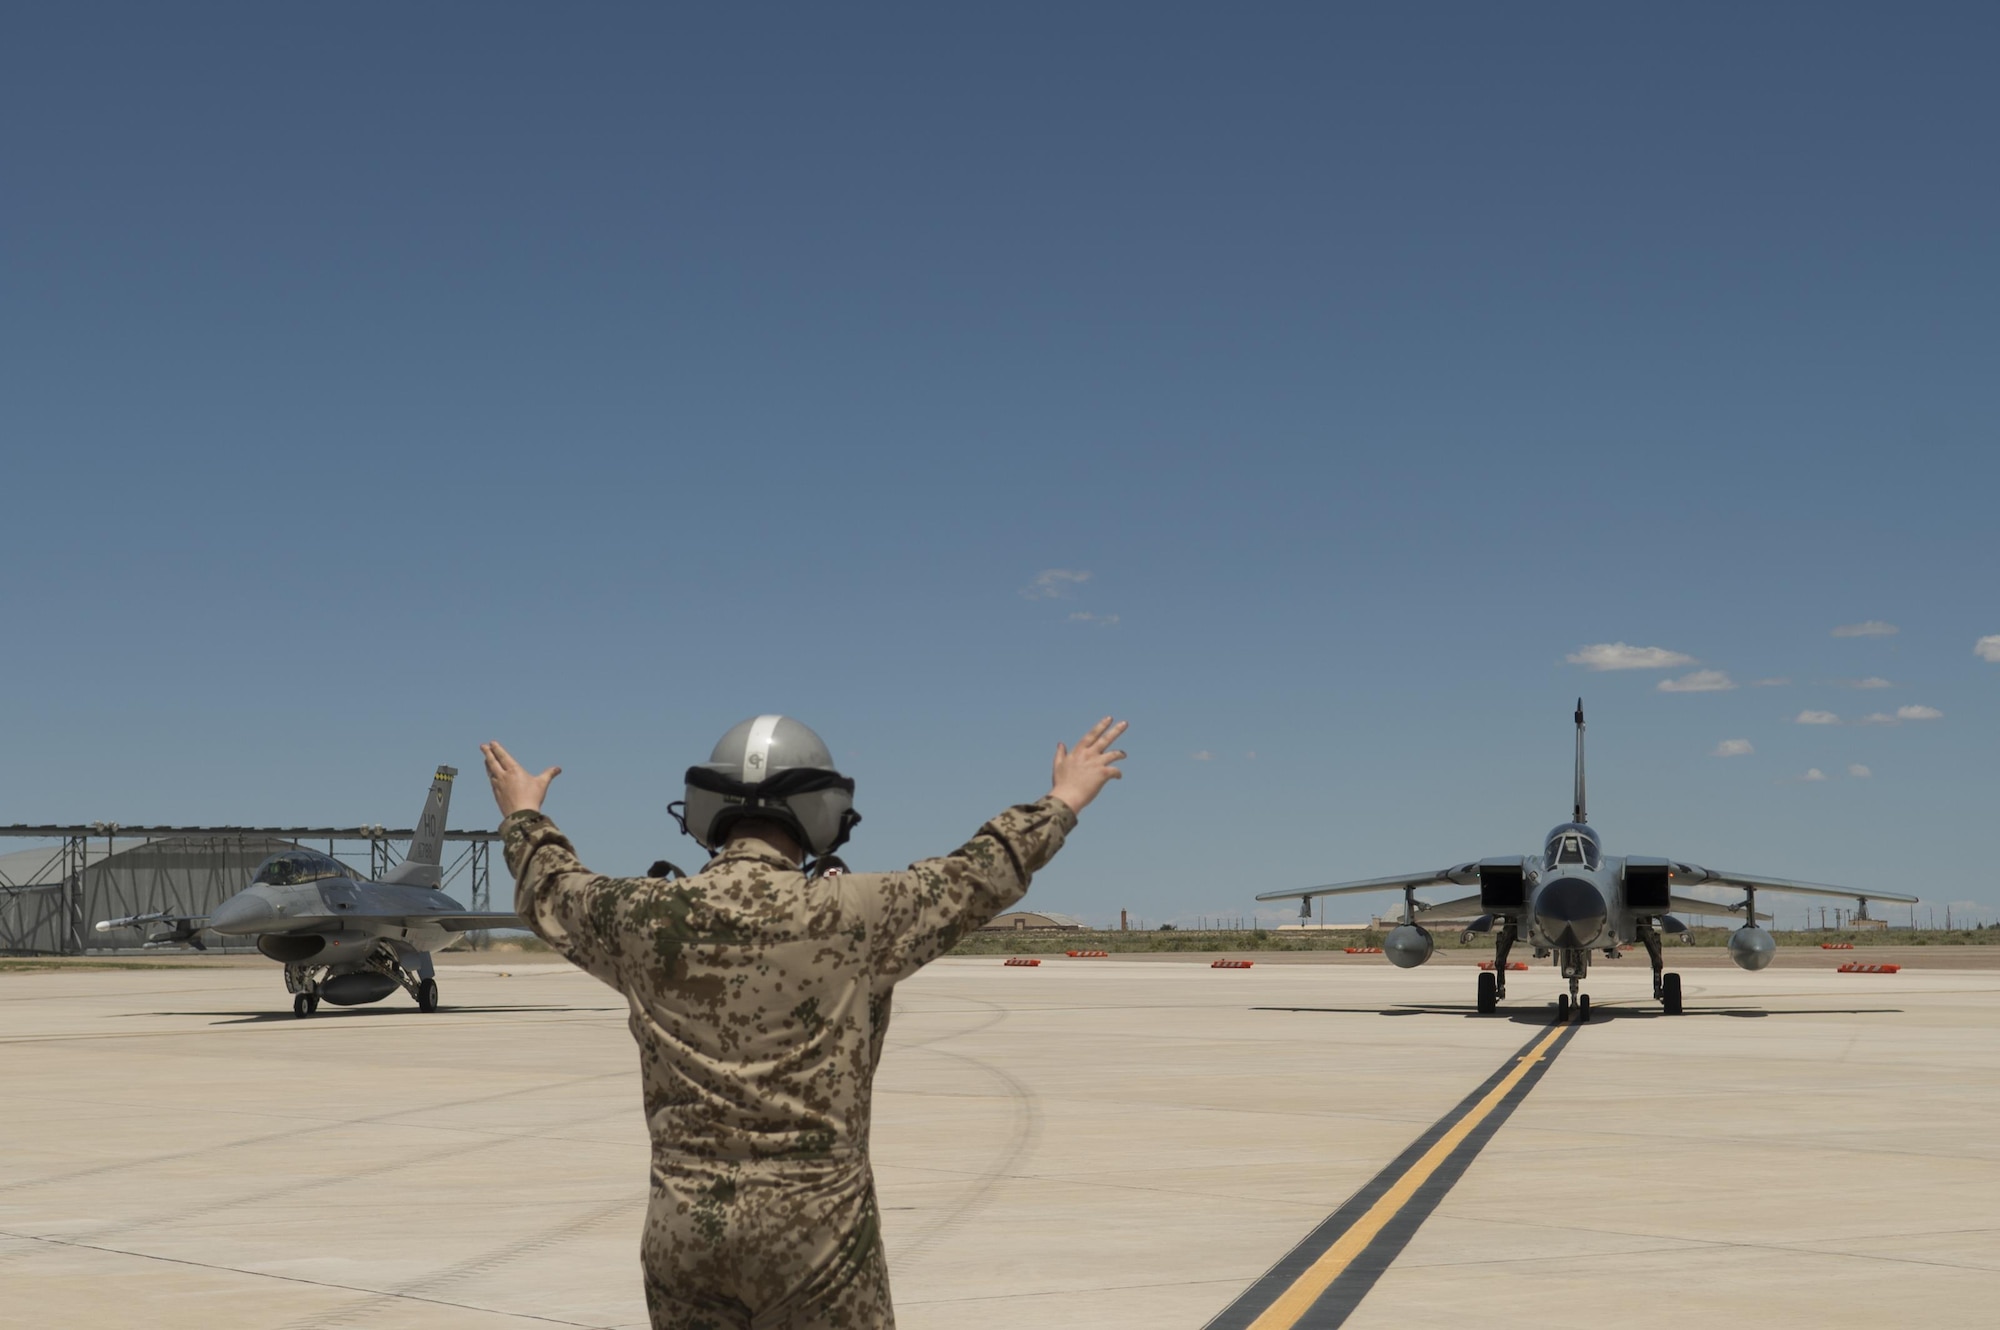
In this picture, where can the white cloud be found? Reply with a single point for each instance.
(1988, 648)
(1872, 628)
(1204, 756)
(1816, 718)
(1769, 683)
(1091, 616)
(1701, 681)
(1812, 774)
(1732, 748)
(1619, 656)
(1872, 681)
(1858, 771)
(1877, 718)
(1919, 713)
(1054, 583)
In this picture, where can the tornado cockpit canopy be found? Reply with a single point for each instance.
(1572, 845)
(295, 866)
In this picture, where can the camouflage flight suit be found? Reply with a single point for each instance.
(756, 996)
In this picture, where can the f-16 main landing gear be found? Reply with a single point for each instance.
(427, 995)
(305, 1004)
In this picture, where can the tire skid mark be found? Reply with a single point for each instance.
(426, 1287)
(295, 1132)
(1026, 1133)
(293, 1188)
(287, 1279)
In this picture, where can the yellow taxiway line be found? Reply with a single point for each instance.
(1294, 1302)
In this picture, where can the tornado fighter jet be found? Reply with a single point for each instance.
(1573, 900)
(341, 937)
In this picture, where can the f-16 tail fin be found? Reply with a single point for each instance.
(422, 866)
(1579, 813)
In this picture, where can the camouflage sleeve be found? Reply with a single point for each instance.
(563, 902)
(921, 913)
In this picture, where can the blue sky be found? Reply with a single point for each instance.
(379, 379)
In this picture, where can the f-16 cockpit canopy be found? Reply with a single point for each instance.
(1573, 843)
(295, 866)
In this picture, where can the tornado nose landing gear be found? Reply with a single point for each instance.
(1575, 965)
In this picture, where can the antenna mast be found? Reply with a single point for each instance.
(1579, 814)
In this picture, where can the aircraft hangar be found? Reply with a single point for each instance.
(70, 876)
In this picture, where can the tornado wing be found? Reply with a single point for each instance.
(1696, 875)
(1462, 875)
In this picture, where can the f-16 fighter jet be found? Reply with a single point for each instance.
(341, 937)
(1572, 900)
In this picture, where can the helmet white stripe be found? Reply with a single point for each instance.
(757, 748)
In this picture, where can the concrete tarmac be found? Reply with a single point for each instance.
(1084, 1143)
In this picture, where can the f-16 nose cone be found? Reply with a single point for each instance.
(1570, 912)
(245, 912)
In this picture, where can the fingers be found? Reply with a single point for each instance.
(548, 776)
(1102, 735)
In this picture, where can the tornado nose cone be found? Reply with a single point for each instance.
(245, 912)
(1570, 912)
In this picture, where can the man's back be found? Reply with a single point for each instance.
(752, 987)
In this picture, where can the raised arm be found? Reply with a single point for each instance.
(920, 914)
(565, 904)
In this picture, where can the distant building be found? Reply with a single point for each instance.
(1028, 921)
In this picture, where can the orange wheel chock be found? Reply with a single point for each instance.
(1022, 960)
(1862, 967)
(1087, 954)
(1230, 965)
(1511, 965)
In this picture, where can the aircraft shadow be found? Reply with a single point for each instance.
(355, 1013)
(1544, 1014)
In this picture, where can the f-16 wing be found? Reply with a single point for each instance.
(1695, 875)
(178, 929)
(470, 921)
(1461, 875)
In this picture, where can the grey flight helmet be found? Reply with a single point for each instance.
(774, 769)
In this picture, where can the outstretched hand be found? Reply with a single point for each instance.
(513, 788)
(1082, 771)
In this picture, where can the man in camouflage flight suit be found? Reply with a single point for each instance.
(757, 995)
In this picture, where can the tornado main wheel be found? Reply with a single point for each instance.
(1670, 994)
(427, 995)
(1582, 1007)
(1489, 993)
(303, 1005)
(1562, 1008)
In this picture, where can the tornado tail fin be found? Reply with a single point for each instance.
(423, 865)
(1579, 813)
